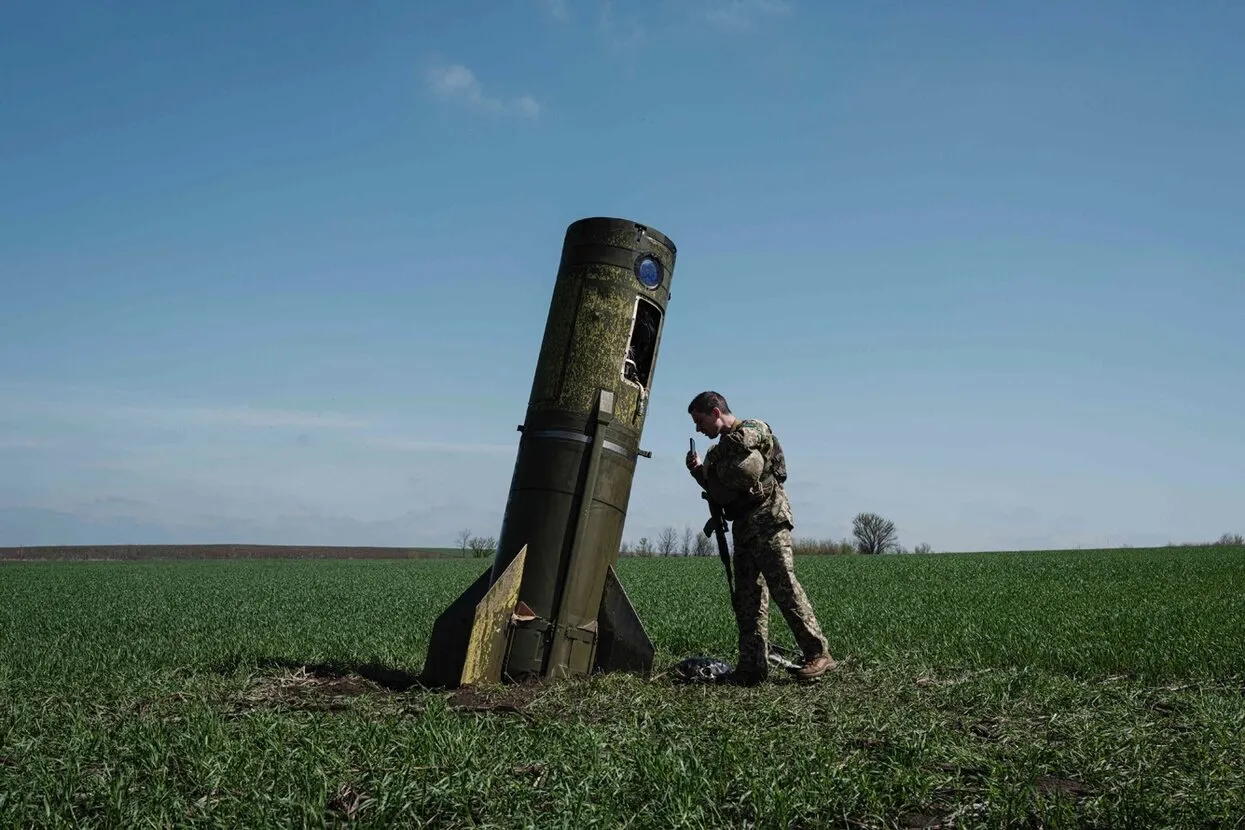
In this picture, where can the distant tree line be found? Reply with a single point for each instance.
(1227, 540)
(871, 535)
(474, 546)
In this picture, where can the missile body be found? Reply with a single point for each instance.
(551, 604)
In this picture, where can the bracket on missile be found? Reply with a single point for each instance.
(552, 604)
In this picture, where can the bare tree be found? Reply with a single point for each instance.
(481, 547)
(688, 534)
(1231, 540)
(923, 548)
(874, 534)
(668, 541)
(644, 547)
(464, 540)
(704, 545)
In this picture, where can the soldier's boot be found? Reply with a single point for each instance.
(747, 677)
(815, 668)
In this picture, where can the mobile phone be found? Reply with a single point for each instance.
(691, 445)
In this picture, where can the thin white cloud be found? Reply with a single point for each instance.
(80, 407)
(77, 404)
(621, 34)
(741, 15)
(559, 10)
(409, 445)
(240, 416)
(626, 30)
(459, 84)
(28, 442)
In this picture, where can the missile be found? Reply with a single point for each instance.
(551, 605)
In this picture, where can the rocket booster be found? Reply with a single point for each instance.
(551, 604)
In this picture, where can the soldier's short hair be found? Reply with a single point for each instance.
(706, 402)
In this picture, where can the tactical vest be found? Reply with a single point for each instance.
(777, 461)
(773, 476)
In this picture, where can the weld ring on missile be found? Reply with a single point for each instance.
(648, 270)
(580, 437)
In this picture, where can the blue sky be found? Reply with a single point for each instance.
(279, 272)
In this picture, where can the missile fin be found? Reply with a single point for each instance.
(468, 643)
(622, 644)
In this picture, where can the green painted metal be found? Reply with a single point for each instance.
(577, 455)
(567, 504)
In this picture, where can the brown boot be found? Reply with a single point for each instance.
(815, 668)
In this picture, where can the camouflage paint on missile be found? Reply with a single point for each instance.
(572, 477)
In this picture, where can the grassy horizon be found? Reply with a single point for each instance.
(223, 551)
(219, 551)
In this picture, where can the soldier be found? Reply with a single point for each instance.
(744, 473)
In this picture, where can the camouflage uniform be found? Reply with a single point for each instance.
(744, 472)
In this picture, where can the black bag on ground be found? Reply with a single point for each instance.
(700, 670)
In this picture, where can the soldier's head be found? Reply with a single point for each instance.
(710, 413)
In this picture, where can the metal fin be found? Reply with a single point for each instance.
(468, 642)
(623, 644)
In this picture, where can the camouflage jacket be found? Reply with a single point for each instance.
(744, 473)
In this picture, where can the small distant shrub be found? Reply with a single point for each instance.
(822, 547)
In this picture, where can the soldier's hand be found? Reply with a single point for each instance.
(693, 461)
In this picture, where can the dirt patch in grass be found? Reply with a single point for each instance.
(347, 802)
(508, 699)
(306, 687)
(325, 688)
(1053, 785)
(928, 819)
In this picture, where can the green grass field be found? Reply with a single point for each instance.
(1101, 689)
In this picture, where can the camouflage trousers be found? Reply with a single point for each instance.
(764, 565)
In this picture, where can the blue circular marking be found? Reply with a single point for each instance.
(649, 272)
